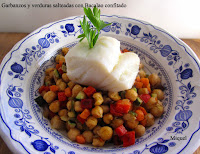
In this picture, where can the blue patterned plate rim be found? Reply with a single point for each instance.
(178, 41)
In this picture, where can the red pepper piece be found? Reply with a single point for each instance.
(123, 106)
(60, 71)
(43, 88)
(89, 91)
(125, 50)
(59, 65)
(121, 130)
(145, 97)
(113, 110)
(128, 139)
(86, 103)
(61, 96)
(81, 120)
(46, 88)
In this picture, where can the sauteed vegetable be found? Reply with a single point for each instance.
(97, 117)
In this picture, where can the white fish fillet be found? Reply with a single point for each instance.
(104, 66)
(124, 73)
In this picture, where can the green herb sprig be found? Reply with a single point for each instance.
(92, 34)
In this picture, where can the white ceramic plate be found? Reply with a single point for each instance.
(22, 72)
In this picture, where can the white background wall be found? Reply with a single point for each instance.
(179, 17)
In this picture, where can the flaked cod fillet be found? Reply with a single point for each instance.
(104, 66)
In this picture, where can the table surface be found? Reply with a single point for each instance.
(8, 40)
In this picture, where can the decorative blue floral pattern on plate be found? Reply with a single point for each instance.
(154, 43)
(23, 71)
(159, 147)
(183, 104)
(33, 53)
(24, 120)
(69, 29)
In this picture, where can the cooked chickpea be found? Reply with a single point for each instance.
(60, 58)
(71, 84)
(65, 77)
(48, 81)
(63, 114)
(151, 103)
(159, 93)
(77, 106)
(157, 110)
(73, 133)
(141, 66)
(107, 118)
(131, 95)
(114, 96)
(48, 70)
(97, 112)
(150, 119)
(98, 142)
(59, 81)
(143, 91)
(139, 130)
(72, 114)
(91, 122)
(105, 133)
(49, 96)
(132, 123)
(105, 108)
(70, 125)
(65, 50)
(116, 123)
(159, 102)
(54, 106)
(128, 116)
(142, 73)
(51, 74)
(61, 86)
(96, 129)
(76, 89)
(88, 135)
(69, 105)
(154, 79)
(98, 98)
(57, 123)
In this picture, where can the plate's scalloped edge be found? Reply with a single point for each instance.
(187, 49)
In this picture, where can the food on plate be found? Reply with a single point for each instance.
(104, 66)
(99, 62)
(98, 93)
(97, 117)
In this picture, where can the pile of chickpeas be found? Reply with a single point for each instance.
(99, 127)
